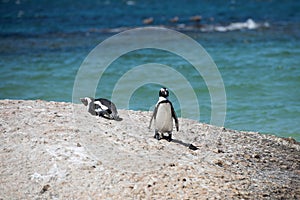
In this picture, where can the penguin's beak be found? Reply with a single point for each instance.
(84, 101)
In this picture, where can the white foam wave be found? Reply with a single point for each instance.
(250, 24)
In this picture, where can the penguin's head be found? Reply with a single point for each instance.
(87, 100)
(163, 92)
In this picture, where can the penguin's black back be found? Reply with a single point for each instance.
(112, 109)
(106, 103)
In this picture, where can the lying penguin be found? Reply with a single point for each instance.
(163, 115)
(101, 107)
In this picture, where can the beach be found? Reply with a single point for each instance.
(57, 150)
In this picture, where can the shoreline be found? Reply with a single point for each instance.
(58, 150)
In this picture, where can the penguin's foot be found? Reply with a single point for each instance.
(156, 136)
(169, 138)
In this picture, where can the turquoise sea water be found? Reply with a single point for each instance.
(42, 46)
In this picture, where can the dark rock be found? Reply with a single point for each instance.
(45, 189)
(192, 147)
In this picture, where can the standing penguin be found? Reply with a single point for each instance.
(163, 116)
(101, 107)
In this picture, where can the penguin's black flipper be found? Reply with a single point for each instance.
(153, 116)
(175, 117)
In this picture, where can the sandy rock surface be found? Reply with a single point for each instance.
(56, 150)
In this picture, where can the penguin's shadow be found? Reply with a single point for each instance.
(119, 119)
(180, 142)
(188, 145)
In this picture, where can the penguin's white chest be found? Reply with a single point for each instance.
(163, 121)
